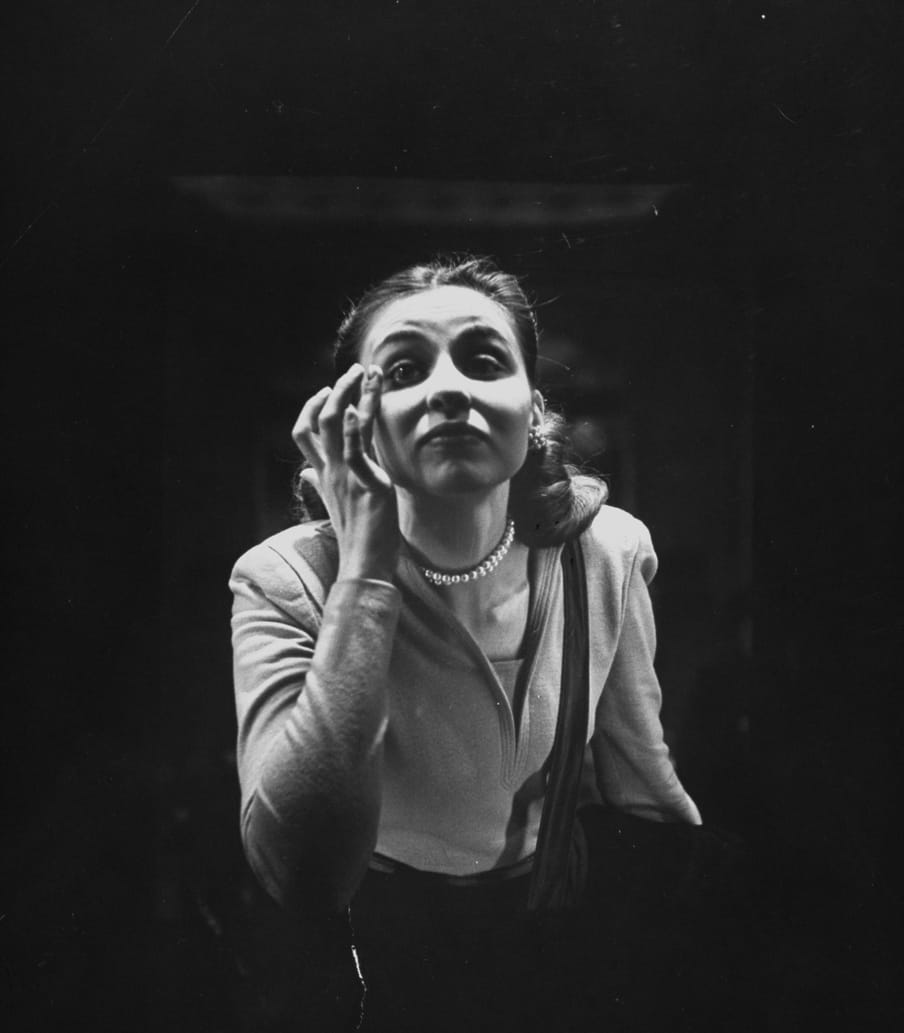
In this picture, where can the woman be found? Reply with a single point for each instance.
(398, 666)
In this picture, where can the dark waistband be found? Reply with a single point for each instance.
(390, 866)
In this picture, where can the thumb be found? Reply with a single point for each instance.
(310, 477)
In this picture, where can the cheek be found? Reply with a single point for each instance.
(389, 436)
(516, 414)
(512, 395)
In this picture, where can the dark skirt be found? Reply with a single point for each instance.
(443, 954)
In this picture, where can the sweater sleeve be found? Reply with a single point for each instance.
(633, 764)
(312, 713)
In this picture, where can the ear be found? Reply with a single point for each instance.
(539, 409)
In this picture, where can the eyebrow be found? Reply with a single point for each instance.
(472, 330)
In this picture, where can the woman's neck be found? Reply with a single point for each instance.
(453, 533)
(450, 534)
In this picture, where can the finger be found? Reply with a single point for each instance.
(310, 477)
(356, 459)
(306, 429)
(351, 436)
(369, 405)
(332, 415)
(342, 394)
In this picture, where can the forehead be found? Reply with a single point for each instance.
(441, 310)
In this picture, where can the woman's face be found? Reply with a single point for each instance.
(456, 404)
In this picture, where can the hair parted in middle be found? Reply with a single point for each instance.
(551, 501)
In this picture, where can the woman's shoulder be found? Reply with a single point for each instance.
(616, 538)
(300, 558)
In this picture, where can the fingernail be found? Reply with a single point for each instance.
(373, 374)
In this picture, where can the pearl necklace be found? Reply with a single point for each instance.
(437, 577)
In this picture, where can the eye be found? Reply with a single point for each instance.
(485, 365)
(402, 372)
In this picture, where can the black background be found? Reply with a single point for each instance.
(741, 346)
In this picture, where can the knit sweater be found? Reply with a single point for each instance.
(441, 767)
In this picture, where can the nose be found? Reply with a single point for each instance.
(447, 391)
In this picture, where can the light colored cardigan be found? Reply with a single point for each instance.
(435, 773)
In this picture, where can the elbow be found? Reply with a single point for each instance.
(266, 855)
(691, 812)
(313, 872)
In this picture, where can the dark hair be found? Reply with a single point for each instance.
(480, 274)
(551, 501)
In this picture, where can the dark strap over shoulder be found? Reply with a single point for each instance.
(549, 885)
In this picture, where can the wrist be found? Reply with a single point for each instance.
(367, 564)
(371, 571)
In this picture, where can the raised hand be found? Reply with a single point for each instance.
(334, 434)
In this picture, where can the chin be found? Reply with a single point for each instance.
(460, 482)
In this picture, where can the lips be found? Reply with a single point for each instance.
(452, 431)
